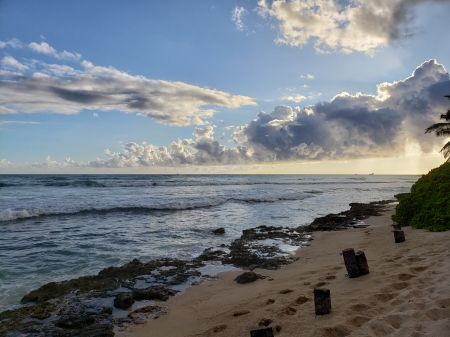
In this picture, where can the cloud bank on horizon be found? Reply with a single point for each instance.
(342, 26)
(35, 86)
(348, 127)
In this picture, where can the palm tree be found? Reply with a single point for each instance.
(442, 129)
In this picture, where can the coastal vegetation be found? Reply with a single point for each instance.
(428, 204)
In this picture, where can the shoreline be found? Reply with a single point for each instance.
(406, 292)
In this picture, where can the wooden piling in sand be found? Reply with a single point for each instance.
(322, 301)
(399, 236)
(361, 261)
(397, 227)
(262, 332)
(350, 262)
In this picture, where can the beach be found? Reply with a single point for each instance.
(406, 293)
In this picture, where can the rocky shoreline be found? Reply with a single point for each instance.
(93, 305)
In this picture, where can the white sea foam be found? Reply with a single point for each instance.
(8, 214)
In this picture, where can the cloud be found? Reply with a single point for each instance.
(354, 126)
(348, 127)
(18, 122)
(9, 62)
(45, 48)
(357, 25)
(95, 114)
(308, 77)
(294, 98)
(237, 15)
(14, 43)
(63, 89)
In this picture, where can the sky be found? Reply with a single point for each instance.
(223, 87)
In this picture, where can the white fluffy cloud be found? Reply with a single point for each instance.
(347, 127)
(343, 26)
(297, 98)
(59, 88)
(9, 62)
(45, 48)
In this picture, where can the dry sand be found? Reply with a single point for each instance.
(407, 292)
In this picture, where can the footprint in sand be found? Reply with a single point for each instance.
(359, 307)
(290, 311)
(380, 328)
(418, 269)
(321, 284)
(443, 303)
(437, 314)
(397, 320)
(358, 320)
(301, 300)
(265, 322)
(270, 301)
(383, 297)
(395, 286)
(405, 277)
(337, 330)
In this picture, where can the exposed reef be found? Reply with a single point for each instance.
(118, 296)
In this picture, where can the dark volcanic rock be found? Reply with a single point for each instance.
(220, 230)
(124, 300)
(159, 293)
(347, 219)
(400, 196)
(247, 277)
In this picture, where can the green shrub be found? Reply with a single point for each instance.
(428, 204)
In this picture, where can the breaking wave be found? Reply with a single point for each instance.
(9, 215)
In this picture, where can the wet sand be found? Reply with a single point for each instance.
(406, 293)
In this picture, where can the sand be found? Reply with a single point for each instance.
(406, 293)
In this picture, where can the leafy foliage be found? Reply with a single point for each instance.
(428, 204)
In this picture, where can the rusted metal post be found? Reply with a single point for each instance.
(350, 262)
(322, 301)
(399, 236)
(262, 332)
(361, 261)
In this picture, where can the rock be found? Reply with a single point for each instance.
(124, 300)
(270, 301)
(240, 313)
(247, 277)
(220, 230)
(286, 291)
(159, 293)
(277, 328)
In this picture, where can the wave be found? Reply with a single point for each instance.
(9, 215)
(5, 185)
(81, 183)
(149, 184)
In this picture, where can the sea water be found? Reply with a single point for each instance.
(59, 227)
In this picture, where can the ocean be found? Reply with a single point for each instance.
(59, 227)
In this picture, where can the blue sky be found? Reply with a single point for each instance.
(132, 78)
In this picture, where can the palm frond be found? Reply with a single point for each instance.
(446, 116)
(446, 150)
(437, 127)
(448, 96)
